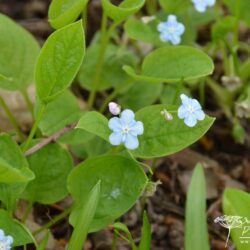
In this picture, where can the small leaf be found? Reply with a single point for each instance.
(122, 182)
(237, 203)
(123, 228)
(63, 12)
(13, 165)
(18, 231)
(124, 10)
(60, 112)
(95, 123)
(59, 61)
(173, 64)
(196, 219)
(85, 218)
(163, 137)
(51, 165)
(19, 51)
(43, 243)
(145, 241)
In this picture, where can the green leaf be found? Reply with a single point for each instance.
(240, 9)
(43, 243)
(60, 112)
(123, 228)
(19, 51)
(124, 10)
(18, 231)
(237, 203)
(163, 137)
(140, 94)
(122, 182)
(145, 241)
(51, 165)
(63, 12)
(13, 165)
(140, 31)
(95, 123)
(223, 27)
(85, 218)
(112, 74)
(196, 219)
(173, 64)
(59, 61)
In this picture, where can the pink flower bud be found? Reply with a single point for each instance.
(114, 108)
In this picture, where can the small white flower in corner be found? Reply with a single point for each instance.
(191, 111)
(201, 5)
(114, 108)
(5, 241)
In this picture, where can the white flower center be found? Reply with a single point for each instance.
(191, 109)
(171, 30)
(2, 246)
(125, 129)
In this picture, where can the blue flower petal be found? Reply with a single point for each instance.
(185, 99)
(115, 124)
(196, 105)
(199, 114)
(180, 28)
(182, 112)
(175, 39)
(137, 128)
(172, 19)
(190, 121)
(116, 138)
(9, 240)
(127, 116)
(131, 142)
(161, 27)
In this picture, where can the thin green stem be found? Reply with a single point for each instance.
(34, 128)
(105, 36)
(53, 221)
(27, 211)
(114, 242)
(12, 119)
(28, 102)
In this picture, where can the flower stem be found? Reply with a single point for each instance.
(11, 118)
(27, 211)
(28, 102)
(34, 128)
(105, 36)
(53, 221)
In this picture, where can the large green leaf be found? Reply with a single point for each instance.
(63, 12)
(85, 218)
(95, 123)
(163, 137)
(62, 111)
(196, 219)
(18, 54)
(237, 203)
(13, 165)
(112, 73)
(59, 61)
(122, 182)
(173, 64)
(124, 10)
(51, 165)
(240, 9)
(18, 231)
(173, 7)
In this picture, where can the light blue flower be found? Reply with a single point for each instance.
(5, 241)
(125, 130)
(171, 30)
(191, 111)
(201, 5)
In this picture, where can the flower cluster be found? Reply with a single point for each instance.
(171, 30)
(201, 5)
(125, 129)
(5, 241)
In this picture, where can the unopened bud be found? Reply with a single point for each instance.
(167, 115)
(114, 108)
(148, 19)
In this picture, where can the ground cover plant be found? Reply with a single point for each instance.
(121, 122)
